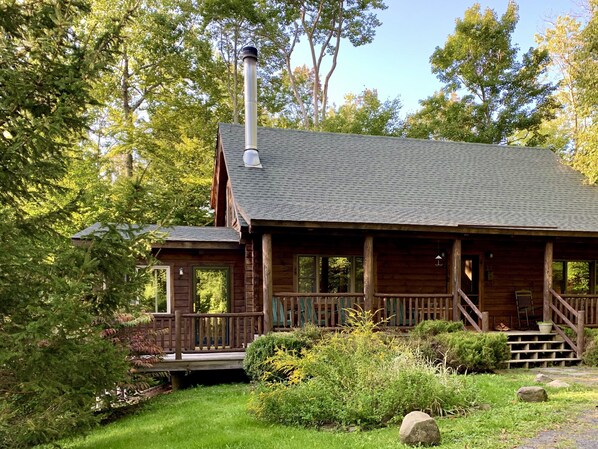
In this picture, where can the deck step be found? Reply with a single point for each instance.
(531, 349)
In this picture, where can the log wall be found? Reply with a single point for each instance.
(182, 286)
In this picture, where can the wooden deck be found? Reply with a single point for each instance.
(198, 361)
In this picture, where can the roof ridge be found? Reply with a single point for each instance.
(371, 136)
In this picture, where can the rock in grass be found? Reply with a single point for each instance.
(532, 394)
(558, 384)
(419, 428)
(543, 378)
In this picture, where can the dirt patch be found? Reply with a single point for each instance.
(580, 433)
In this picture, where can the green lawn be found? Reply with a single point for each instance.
(216, 417)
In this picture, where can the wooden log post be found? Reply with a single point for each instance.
(368, 272)
(485, 321)
(178, 335)
(456, 278)
(547, 297)
(267, 280)
(581, 322)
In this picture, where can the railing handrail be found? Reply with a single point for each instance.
(413, 295)
(469, 318)
(579, 295)
(464, 296)
(223, 315)
(318, 295)
(564, 303)
(484, 317)
(578, 327)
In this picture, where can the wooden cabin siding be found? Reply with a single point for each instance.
(285, 248)
(408, 265)
(182, 286)
(515, 265)
(576, 250)
(253, 276)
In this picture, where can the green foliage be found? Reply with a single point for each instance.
(364, 114)
(574, 131)
(358, 378)
(322, 24)
(430, 328)
(258, 357)
(590, 354)
(472, 352)
(489, 95)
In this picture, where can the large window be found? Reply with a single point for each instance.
(211, 289)
(155, 297)
(574, 277)
(329, 274)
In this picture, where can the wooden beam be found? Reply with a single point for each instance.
(178, 332)
(267, 280)
(456, 277)
(368, 272)
(548, 252)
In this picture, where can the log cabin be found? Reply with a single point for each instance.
(309, 225)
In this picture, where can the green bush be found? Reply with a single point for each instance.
(590, 354)
(429, 328)
(258, 357)
(359, 378)
(472, 352)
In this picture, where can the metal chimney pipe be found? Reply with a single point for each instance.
(251, 157)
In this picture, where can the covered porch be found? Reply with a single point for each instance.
(402, 279)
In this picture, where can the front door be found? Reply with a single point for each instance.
(470, 278)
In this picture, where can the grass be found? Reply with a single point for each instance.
(216, 418)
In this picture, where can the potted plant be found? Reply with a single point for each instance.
(545, 326)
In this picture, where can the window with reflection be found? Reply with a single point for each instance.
(330, 274)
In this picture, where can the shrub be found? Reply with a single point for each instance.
(258, 357)
(590, 354)
(358, 378)
(472, 352)
(429, 328)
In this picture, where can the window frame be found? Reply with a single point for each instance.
(229, 282)
(318, 257)
(169, 294)
(592, 273)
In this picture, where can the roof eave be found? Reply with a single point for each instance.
(257, 225)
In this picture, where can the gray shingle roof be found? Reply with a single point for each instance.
(176, 233)
(344, 178)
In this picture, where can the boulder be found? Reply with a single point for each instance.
(532, 394)
(419, 428)
(543, 378)
(558, 384)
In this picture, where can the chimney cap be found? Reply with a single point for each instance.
(249, 51)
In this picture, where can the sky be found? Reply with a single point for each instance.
(397, 62)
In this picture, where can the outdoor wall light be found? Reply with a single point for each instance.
(181, 271)
(489, 255)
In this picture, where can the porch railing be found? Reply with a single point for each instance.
(206, 332)
(327, 310)
(481, 320)
(587, 303)
(407, 310)
(563, 313)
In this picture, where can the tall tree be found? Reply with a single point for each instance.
(489, 95)
(574, 131)
(324, 24)
(159, 106)
(365, 114)
(53, 297)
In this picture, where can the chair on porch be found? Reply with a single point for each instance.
(278, 316)
(526, 310)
